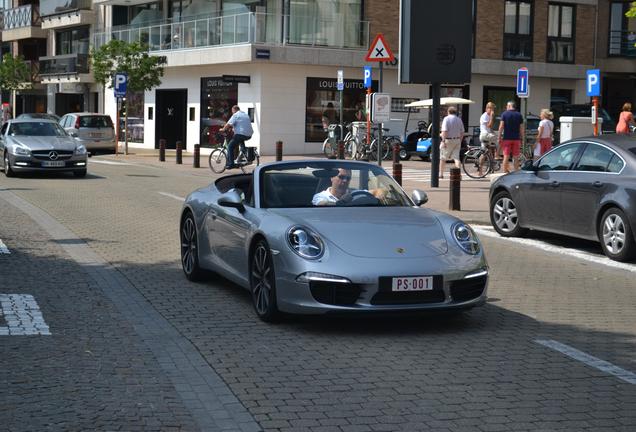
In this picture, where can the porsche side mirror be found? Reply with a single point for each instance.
(419, 197)
(232, 199)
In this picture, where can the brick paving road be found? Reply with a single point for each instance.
(482, 371)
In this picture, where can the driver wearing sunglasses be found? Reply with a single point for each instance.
(340, 190)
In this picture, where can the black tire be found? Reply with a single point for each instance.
(7, 166)
(217, 160)
(616, 235)
(404, 154)
(263, 283)
(80, 174)
(504, 217)
(471, 163)
(190, 249)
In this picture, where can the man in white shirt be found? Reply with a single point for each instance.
(243, 131)
(340, 187)
(452, 136)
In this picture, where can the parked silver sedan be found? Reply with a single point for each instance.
(28, 145)
(315, 237)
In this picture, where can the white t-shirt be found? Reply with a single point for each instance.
(453, 126)
(483, 123)
(325, 195)
(546, 132)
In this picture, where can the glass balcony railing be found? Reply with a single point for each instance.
(622, 43)
(22, 16)
(259, 28)
(69, 64)
(56, 7)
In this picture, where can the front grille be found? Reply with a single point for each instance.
(385, 296)
(44, 154)
(337, 294)
(468, 289)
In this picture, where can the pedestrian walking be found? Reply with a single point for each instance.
(510, 135)
(452, 135)
(625, 120)
(544, 133)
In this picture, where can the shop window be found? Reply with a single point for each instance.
(134, 104)
(323, 100)
(561, 33)
(217, 99)
(517, 30)
(72, 41)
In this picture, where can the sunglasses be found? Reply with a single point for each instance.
(344, 177)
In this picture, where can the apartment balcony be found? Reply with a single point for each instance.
(72, 13)
(622, 44)
(65, 68)
(22, 22)
(249, 29)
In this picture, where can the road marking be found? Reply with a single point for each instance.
(4, 249)
(22, 315)
(171, 196)
(106, 162)
(585, 256)
(602, 365)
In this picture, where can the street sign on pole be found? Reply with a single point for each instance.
(340, 84)
(120, 84)
(368, 83)
(522, 82)
(594, 82)
(381, 109)
(379, 50)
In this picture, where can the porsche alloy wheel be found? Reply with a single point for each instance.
(189, 249)
(504, 216)
(263, 282)
(616, 236)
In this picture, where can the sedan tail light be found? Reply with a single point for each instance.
(77, 123)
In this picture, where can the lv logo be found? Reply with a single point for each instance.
(170, 112)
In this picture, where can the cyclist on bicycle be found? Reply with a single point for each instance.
(243, 131)
(487, 137)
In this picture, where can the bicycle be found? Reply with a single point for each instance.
(218, 158)
(478, 162)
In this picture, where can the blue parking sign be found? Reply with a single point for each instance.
(120, 84)
(522, 82)
(593, 82)
(367, 77)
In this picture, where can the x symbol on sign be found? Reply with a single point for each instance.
(379, 51)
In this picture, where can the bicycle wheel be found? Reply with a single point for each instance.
(329, 149)
(387, 148)
(391, 142)
(350, 148)
(217, 160)
(372, 154)
(471, 163)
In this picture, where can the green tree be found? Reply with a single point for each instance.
(144, 71)
(15, 74)
(631, 13)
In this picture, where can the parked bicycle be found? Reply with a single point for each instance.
(218, 157)
(478, 162)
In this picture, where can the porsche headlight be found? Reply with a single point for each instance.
(305, 242)
(80, 150)
(466, 238)
(22, 151)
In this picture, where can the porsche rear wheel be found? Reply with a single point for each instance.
(189, 249)
(263, 282)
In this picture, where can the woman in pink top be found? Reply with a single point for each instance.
(544, 135)
(625, 120)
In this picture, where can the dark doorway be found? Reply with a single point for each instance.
(68, 103)
(170, 122)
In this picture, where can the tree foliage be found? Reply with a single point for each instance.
(631, 13)
(15, 73)
(144, 71)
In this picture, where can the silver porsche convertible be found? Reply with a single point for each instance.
(321, 236)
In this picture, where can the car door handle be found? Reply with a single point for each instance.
(597, 184)
(555, 184)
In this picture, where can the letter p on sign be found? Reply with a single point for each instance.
(121, 81)
(594, 82)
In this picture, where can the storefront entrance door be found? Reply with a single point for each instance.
(170, 123)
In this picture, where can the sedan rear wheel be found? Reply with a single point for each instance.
(7, 166)
(263, 283)
(189, 249)
(616, 236)
(504, 216)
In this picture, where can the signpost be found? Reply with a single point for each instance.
(594, 91)
(120, 86)
(523, 91)
(340, 86)
(381, 112)
(380, 52)
(368, 83)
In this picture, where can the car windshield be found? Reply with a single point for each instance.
(328, 184)
(40, 116)
(95, 121)
(36, 129)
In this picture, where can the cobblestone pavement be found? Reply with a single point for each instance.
(482, 371)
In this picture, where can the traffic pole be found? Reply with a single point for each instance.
(595, 101)
(369, 116)
(196, 160)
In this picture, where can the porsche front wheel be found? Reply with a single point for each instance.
(263, 282)
(189, 249)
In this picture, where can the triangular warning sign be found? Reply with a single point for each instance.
(379, 50)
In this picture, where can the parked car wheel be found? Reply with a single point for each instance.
(404, 154)
(189, 249)
(616, 236)
(7, 166)
(504, 217)
(263, 283)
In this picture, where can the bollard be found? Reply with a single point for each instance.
(197, 156)
(340, 149)
(162, 150)
(179, 153)
(454, 189)
(396, 153)
(397, 173)
(279, 151)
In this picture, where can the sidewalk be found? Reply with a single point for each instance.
(416, 175)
